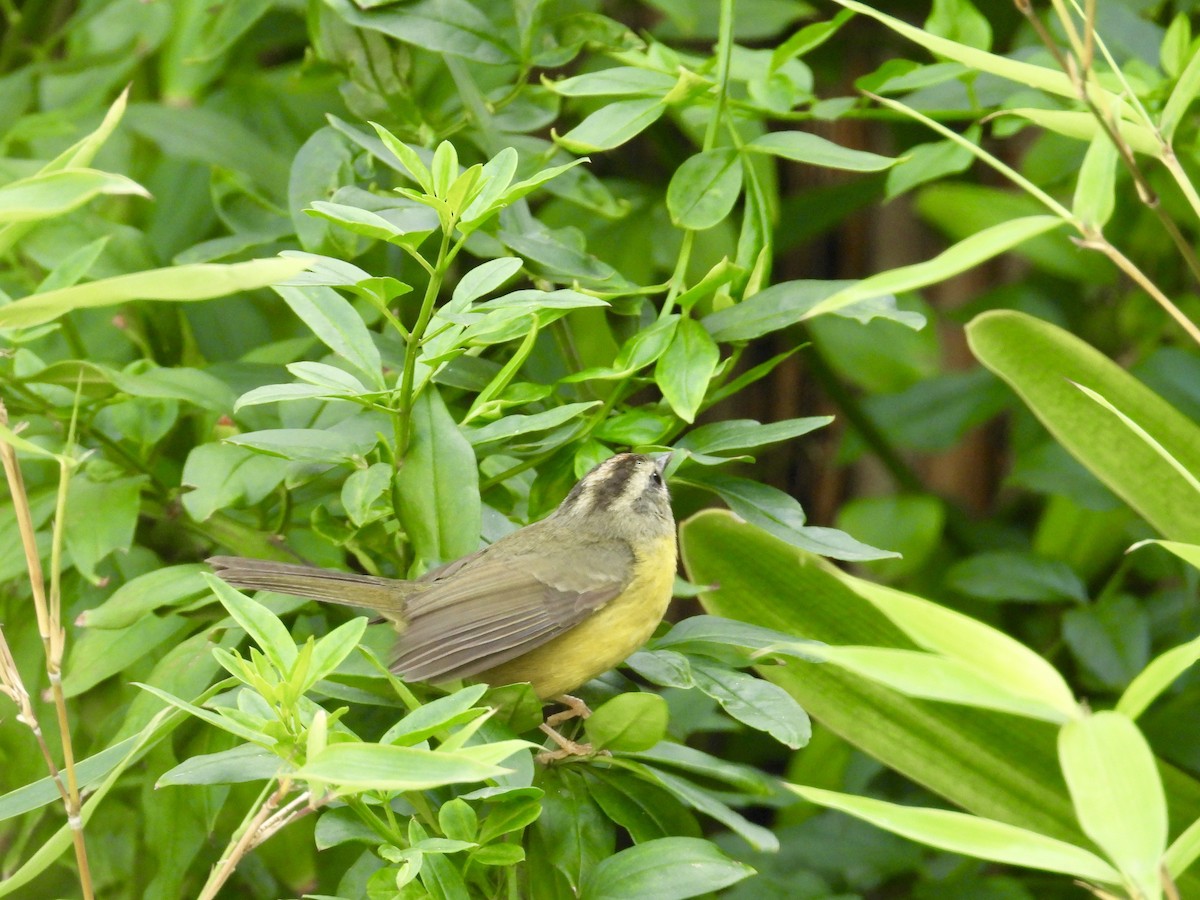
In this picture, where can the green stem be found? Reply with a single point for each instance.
(724, 54)
(373, 821)
(413, 346)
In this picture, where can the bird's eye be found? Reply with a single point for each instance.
(655, 478)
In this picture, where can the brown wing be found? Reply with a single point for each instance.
(490, 608)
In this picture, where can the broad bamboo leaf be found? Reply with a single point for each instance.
(1118, 795)
(992, 764)
(970, 835)
(1040, 361)
(201, 281)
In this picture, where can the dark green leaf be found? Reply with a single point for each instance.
(704, 188)
(746, 434)
(1009, 575)
(613, 125)
(438, 484)
(101, 516)
(800, 146)
(246, 762)
(686, 367)
(455, 27)
(664, 869)
(757, 703)
(642, 808)
(333, 320)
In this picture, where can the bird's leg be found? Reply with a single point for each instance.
(576, 708)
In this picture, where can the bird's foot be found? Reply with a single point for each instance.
(575, 709)
(567, 748)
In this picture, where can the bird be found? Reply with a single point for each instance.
(554, 603)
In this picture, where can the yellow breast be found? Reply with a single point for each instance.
(606, 638)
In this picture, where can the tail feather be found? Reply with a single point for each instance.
(386, 595)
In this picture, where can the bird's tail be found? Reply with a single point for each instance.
(385, 595)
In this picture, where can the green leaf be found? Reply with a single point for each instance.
(704, 188)
(1148, 439)
(357, 220)
(1082, 126)
(483, 279)
(101, 653)
(201, 281)
(436, 715)
(457, 820)
(928, 162)
(50, 194)
(1039, 361)
(633, 721)
(787, 303)
(331, 649)
(356, 767)
(225, 723)
(1189, 553)
(613, 125)
(1118, 796)
(992, 764)
(362, 488)
(969, 835)
(991, 653)
(262, 625)
(1110, 640)
(808, 38)
(760, 704)
(438, 484)
(1052, 80)
(686, 367)
(1155, 678)
(964, 255)
(1011, 575)
(572, 829)
(508, 816)
(1095, 189)
(246, 762)
(516, 424)
(334, 321)
(701, 633)
(733, 435)
(1182, 95)
(101, 518)
(781, 515)
(668, 868)
(643, 809)
(803, 147)
(663, 667)
(929, 676)
(705, 802)
(222, 475)
(961, 22)
(454, 27)
(306, 444)
(145, 594)
(615, 81)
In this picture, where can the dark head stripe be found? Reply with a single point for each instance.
(614, 479)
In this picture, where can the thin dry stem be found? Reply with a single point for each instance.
(53, 639)
(1126, 265)
(266, 822)
(1168, 884)
(1079, 69)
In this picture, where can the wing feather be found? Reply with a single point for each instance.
(491, 608)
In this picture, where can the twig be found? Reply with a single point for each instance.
(53, 635)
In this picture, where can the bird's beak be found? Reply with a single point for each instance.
(662, 461)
